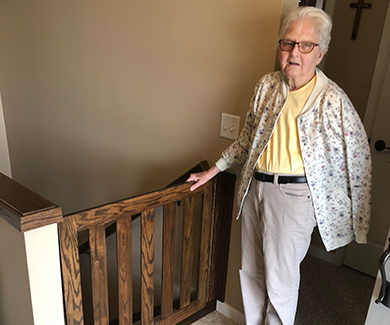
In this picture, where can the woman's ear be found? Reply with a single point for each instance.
(320, 56)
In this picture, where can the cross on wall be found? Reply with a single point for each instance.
(359, 6)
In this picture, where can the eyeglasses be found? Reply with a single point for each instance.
(303, 47)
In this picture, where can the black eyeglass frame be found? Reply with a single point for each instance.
(299, 46)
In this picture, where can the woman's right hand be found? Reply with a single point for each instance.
(202, 177)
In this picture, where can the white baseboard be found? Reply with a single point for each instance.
(321, 253)
(231, 312)
(335, 257)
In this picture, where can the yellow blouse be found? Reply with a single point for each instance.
(283, 153)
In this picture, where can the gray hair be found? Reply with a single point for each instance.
(319, 18)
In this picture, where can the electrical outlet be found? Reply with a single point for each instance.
(230, 125)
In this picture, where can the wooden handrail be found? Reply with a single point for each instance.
(24, 209)
(111, 229)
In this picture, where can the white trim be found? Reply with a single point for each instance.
(335, 257)
(5, 164)
(320, 4)
(321, 253)
(45, 275)
(231, 312)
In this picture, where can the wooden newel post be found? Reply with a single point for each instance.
(29, 258)
(223, 205)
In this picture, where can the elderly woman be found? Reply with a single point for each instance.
(307, 163)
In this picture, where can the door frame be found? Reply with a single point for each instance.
(382, 61)
(337, 257)
(372, 110)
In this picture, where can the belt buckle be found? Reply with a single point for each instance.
(262, 177)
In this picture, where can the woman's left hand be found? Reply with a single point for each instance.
(202, 177)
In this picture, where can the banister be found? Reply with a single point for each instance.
(131, 206)
(33, 248)
(110, 230)
(24, 209)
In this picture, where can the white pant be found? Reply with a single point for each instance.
(277, 223)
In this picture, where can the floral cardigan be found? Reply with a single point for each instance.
(335, 152)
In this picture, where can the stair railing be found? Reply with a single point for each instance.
(216, 198)
(121, 213)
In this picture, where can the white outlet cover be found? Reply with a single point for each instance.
(230, 126)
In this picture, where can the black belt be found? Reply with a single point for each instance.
(281, 179)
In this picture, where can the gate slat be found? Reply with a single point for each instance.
(71, 277)
(97, 240)
(147, 267)
(205, 245)
(168, 259)
(125, 288)
(187, 253)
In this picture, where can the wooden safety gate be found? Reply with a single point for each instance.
(216, 211)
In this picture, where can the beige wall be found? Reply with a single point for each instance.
(109, 99)
(14, 285)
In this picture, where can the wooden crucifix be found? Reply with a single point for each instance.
(359, 6)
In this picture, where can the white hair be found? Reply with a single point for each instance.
(320, 19)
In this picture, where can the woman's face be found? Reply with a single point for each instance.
(297, 67)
